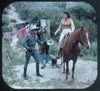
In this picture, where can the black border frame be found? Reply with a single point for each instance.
(94, 87)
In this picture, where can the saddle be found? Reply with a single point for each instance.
(64, 39)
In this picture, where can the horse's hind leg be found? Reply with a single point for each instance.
(63, 67)
(67, 69)
(61, 61)
(63, 64)
(73, 68)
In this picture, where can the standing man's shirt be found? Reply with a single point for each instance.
(44, 36)
(30, 41)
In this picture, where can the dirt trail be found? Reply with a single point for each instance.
(85, 76)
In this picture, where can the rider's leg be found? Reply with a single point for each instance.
(60, 45)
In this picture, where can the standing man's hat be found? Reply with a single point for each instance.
(27, 28)
(33, 27)
(50, 42)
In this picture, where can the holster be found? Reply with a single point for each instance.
(26, 53)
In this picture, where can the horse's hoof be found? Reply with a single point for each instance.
(66, 79)
(63, 71)
(68, 73)
(72, 80)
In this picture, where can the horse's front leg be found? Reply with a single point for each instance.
(63, 64)
(73, 68)
(67, 69)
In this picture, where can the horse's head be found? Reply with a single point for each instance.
(84, 38)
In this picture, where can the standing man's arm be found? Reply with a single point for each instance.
(48, 35)
(25, 42)
(40, 31)
(40, 42)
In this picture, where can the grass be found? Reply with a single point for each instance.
(88, 58)
(7, 65)
(91, 53)
(13, 20)
(54, 49)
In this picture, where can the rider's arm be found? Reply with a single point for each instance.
(59, 28)
(72, 25)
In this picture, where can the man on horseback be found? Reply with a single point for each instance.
(29, 43)
(67, 27)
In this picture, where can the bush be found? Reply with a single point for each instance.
(5, 20)
(91, 53)
(5, 28)
(53, 49)
(13, 20)
(6, 10)
(55, 14)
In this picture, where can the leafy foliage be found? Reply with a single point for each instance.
(81, 13)
(5, 20)
(91, 53)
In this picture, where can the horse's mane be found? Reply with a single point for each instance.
(77, 30)
(70, 39)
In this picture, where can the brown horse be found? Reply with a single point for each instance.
(71, 49)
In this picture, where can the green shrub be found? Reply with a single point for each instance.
(5, 11)
(90, 54)
(18, 56)
(53, 49)
(13, 20)
(55, 14)
(92, 29)
(5, 28)
(5, 20)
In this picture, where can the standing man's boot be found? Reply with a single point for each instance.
(25, 76)
(59, 53)
(37, 70)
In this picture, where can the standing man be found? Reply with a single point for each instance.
(29, 43)
(45, 37)
(45, 48)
